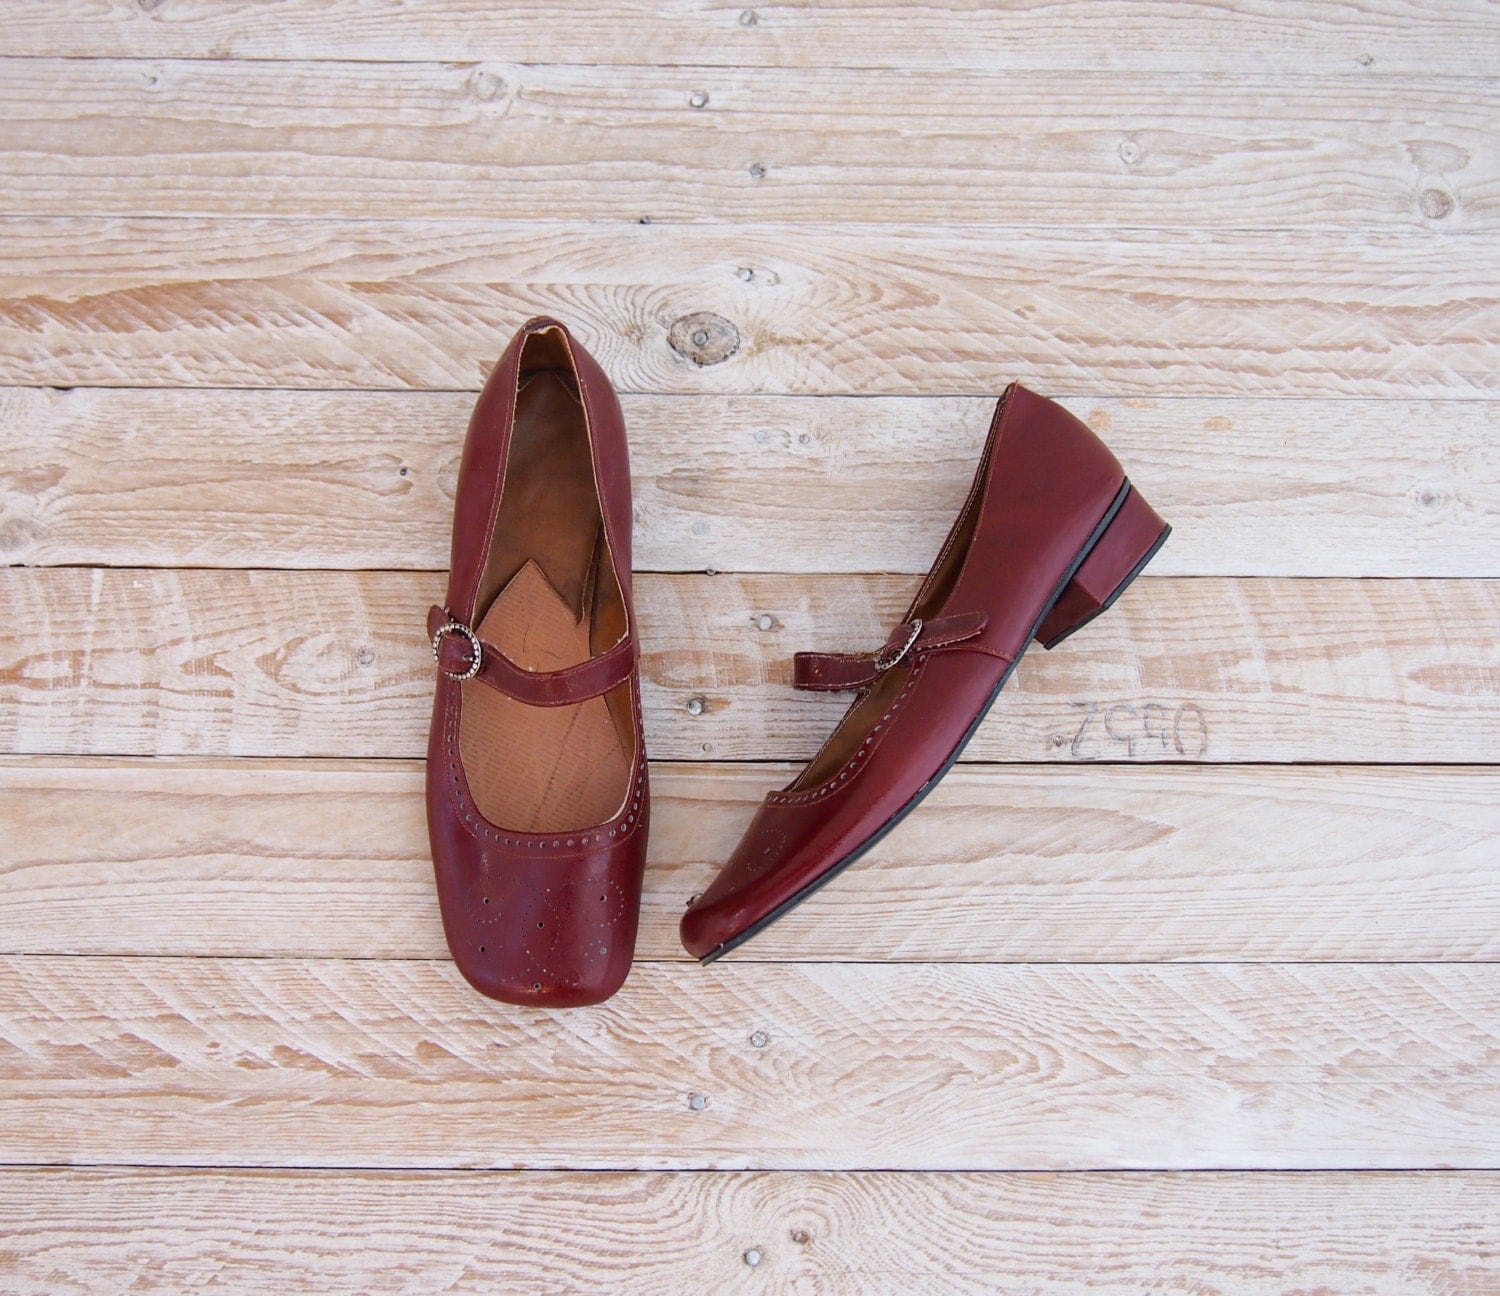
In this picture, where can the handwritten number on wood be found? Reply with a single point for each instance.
(1139, 729)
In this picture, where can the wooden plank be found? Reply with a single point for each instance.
(114, 137)
(408, 1233)
(365, 479)
(1116, 864)
(151, 662)
(822, 311)
(1312, 36)
(246, 1062)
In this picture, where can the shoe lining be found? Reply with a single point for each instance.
(550, 599)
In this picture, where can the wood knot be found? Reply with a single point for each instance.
(704, 338)
(1435, 204)
(485, 86)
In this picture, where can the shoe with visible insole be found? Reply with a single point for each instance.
(1050, 536)
(537, 800)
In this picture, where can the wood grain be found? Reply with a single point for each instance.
(1278, 487)
(80, 1232)
(204, 662)
(523, 141)
(1117, 864)
(817, 310)
(253, 1062)
(1317, 36)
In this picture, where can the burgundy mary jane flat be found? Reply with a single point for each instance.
(1050, 536)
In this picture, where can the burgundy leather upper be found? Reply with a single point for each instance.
(1043, 486)
(543, 918)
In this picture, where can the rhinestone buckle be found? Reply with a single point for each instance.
(884, 663)
(457, 627)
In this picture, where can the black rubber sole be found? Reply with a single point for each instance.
(760, 924)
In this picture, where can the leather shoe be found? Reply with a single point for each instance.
(537, 799)
(1049, 537)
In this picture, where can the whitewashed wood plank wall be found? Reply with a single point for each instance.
(1184, 980)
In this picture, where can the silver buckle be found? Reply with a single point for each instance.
(884, 663)
(457, 627)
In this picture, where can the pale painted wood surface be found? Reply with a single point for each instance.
(922, 1066)
(537, 1234)
(821, 310)
(1217, 891)
(329, 859)
(1319, 36)
(247, 478)
(297, 663)
(488, 140)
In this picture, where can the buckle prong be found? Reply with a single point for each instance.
(884, 663)
(457, 627)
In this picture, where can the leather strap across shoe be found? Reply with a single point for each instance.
(853, 672)
(1050, 535)
(463, 655)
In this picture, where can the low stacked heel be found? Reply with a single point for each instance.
(1119, 555)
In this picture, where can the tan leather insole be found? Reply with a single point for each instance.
(533, 768)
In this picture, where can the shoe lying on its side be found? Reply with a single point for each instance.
(537, 801)
(1050, 536)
